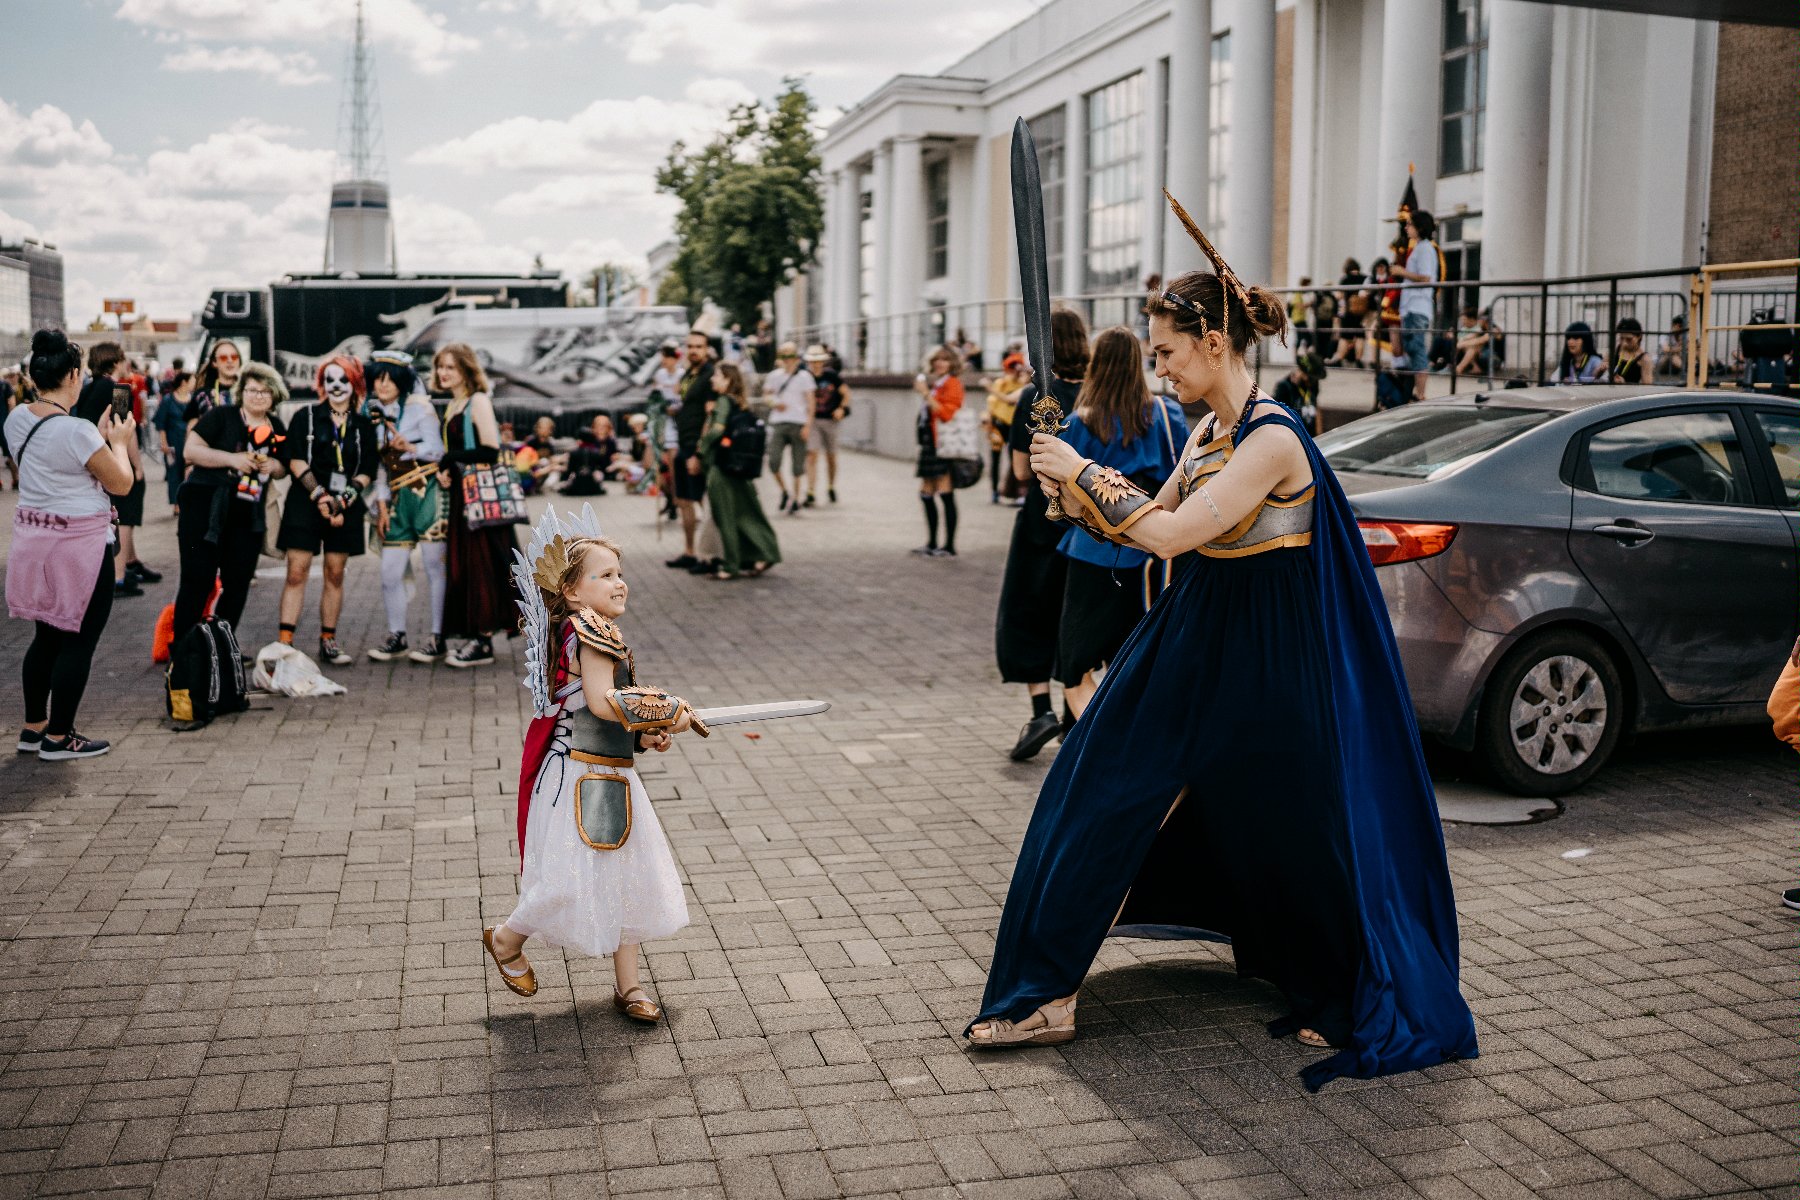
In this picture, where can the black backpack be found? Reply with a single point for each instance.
(745, 443)
(206, 673)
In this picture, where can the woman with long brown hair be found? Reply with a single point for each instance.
(1118, 424)
(479, 602)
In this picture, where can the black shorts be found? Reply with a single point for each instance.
(302, 528)
(1101, 606)
(130, 506)
(688, 487)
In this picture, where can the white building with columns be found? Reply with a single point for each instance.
(1549, 139)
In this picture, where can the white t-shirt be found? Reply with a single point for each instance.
(667, 380)
(790, 396)
(1418, 300)
(53, 475)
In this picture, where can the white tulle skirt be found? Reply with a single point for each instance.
(588, 900)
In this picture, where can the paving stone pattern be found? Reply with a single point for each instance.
(246, 961)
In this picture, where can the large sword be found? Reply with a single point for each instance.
(704, 719)
(1046, 415)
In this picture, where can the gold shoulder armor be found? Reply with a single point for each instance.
(597, 632)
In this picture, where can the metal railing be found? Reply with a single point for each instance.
(1530, 316)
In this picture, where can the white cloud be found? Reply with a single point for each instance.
(602, 196)
(47, 137)
(290, 70)
(631, 136)
(422, 36)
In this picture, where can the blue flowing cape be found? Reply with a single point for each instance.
(1123, 770)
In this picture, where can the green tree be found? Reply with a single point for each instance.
(751, 212)
(608, 281)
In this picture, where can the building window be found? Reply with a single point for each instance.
(937, 218)
(1162, 161)
(1049, 131)
(1218, 134)
(1115, 153)
(1464, 97)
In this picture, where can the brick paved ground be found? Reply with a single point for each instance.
(245, 961)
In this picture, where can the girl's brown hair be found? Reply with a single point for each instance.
(734, 383)
(463, 356)
(1114, 394)
(1068, 344)
(948, 354)
(575, 551)
(1260, 314)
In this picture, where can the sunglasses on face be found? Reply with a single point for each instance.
(226, 358)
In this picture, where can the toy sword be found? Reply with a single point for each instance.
(705, 718)
(1045, 414)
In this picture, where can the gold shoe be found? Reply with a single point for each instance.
(1308, 1037)
(524, 985)
(1058, 1027)
(646, 1010)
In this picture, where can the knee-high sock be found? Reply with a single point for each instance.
(931, 520)
(435, 556)
(393, 586)
(949, 499)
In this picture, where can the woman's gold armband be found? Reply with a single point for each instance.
(1104, 502)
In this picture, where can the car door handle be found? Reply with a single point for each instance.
(1630, 535)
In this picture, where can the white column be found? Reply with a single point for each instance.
(1190, 62)
(1150, 171)
(846, 254)
(1302, 249)
(906, 249)
(1250, 153)
(1074, 199)
(1412, 46)
(824, 272)
(1516, 156)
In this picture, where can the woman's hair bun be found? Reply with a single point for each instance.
(1268, 315)
(49, 341)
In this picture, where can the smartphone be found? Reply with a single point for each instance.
(121, 401)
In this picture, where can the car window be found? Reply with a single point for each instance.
(1418, 440)
(1692, 457)
(1782, 429)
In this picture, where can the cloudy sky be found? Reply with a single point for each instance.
(169, 147)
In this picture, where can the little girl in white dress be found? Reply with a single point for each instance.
(598, 873)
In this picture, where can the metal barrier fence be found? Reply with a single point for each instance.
(1524, 321)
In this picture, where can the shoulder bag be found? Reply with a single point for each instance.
(491, 492)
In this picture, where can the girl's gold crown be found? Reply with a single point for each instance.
(552, 564)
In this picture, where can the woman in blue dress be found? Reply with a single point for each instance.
(1249, 770)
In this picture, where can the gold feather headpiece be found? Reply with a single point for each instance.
(549, 567)
(1233, 285)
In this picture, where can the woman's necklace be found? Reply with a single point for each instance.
(1212, 422)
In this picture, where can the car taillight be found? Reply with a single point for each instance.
(1404, 541)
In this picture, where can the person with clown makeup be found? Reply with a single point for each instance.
(333, 458)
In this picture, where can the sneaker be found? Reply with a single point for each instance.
(476, 653)
(1791, 897)
(30, 740)
(1038, 733)
(73, 746)
(831, 495)
(810, 501)
(944, 552)
(923, 551)
(686, 562)
(705, 566)
(388, 651)
(432, 651)
(783, 506)
(331, 652)
(143, 574)
(126, 587)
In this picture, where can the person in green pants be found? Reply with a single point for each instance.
(749, 541)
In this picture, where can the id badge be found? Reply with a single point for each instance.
(338, 483)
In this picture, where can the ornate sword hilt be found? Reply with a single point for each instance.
(1047, 417)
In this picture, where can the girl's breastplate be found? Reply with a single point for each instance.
(1277, 522)
(594, 740)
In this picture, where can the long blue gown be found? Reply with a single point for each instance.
(1250, 771)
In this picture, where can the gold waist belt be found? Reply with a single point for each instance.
(582, 756)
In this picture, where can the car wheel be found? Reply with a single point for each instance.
(1552, 714)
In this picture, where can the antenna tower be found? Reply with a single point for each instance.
(361, 154)
(359, 230)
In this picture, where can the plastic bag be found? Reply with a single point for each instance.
(286, 671)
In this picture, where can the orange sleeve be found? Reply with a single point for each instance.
(1784, 704)
(947, 399)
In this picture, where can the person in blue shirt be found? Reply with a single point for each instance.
(170, 421)
(1118, 424)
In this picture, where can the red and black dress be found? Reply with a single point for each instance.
(480, 600)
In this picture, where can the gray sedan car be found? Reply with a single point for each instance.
(1565, 565)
